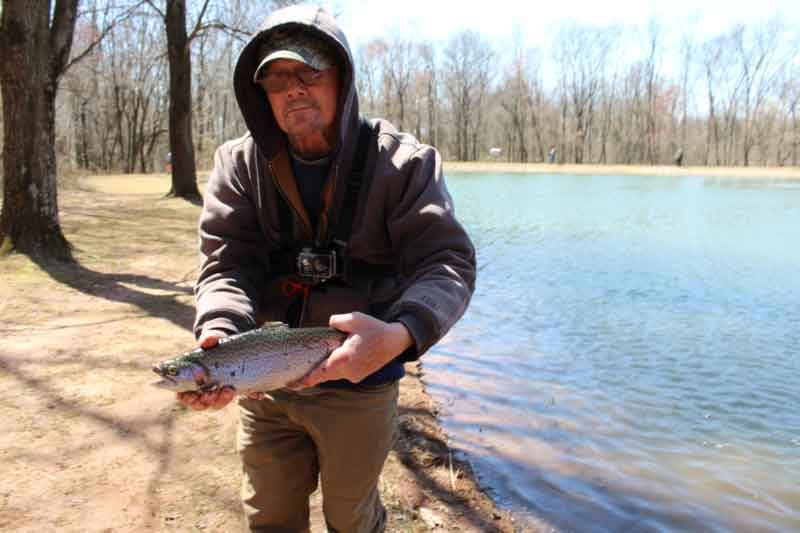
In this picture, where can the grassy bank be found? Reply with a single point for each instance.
(776, 173)
(91, 447)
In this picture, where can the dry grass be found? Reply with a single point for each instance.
(89, 446)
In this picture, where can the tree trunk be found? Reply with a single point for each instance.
(433, 139)
(795, 135)
(184, 174)
(34, 54)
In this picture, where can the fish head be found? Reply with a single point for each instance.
(179, 375)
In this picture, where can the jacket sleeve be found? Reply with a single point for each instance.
(233, 260)
(436, 254)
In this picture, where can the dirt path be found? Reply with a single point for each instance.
(90, 447)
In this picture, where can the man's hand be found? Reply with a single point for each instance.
(217, 399)
(371, 344)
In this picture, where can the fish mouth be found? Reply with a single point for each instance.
(165, 381)
(164, 384)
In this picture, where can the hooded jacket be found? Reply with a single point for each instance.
(404, 220)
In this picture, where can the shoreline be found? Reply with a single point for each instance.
(431, 481)
(774, 173)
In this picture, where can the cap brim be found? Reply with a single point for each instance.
(279, 54)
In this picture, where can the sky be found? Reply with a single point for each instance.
(436, 20)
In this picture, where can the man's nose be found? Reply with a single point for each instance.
(295, 87)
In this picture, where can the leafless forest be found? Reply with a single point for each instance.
(597, 95)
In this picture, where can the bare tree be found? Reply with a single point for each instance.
(717, 68)
(398, 71)
(687, 51)
(514, 99)
(35, 44)
(761, 66)
(430, 81)
(788, 145)
(582, 53)
(467, 65)
(369, 74)
(652, 84)
(608, 99)
(184, 173)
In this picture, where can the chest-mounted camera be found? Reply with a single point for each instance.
(316, 265)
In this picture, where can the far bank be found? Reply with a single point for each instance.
(783, 173)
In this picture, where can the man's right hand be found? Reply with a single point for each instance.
(216, 399)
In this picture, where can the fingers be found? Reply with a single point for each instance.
(187, 399)
(216, 399)
(345, 322)
(330, 369)
(209, 339)
(224, 396)
(316, 376)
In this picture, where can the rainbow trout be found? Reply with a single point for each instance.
(255, 361)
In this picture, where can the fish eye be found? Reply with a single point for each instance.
(172, 371)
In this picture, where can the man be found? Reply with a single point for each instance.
(319, 218)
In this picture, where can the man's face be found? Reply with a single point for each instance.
(302, 110)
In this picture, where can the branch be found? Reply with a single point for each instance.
(61, 31)
(241, 35)
(93, 11)
(199, 22)
(155, 8)
(88, 50)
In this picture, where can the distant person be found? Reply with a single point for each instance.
(678, 158)
(551, 154)
(319, 217)
(168, 165)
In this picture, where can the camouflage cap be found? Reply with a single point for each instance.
(297, 45)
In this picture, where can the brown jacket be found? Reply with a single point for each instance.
(405, 220)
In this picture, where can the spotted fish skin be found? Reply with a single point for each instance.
(260, 360)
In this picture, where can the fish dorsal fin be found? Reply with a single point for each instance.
(268, 325)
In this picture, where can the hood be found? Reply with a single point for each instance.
(253, 102)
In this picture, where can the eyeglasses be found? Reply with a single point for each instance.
(279, 81)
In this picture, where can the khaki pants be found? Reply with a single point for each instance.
(290, 438)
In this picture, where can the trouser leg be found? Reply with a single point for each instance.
(279, 466)
(354, 431)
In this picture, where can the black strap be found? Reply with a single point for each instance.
(286, 221)
(360, 177)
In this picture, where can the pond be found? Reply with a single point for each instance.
(631, 357)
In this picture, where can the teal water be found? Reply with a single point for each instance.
(631, 357)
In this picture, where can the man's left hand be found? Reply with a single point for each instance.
(371, 344)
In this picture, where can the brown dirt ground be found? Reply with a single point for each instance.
(90, 447)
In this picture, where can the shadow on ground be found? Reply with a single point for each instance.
(116, 288)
